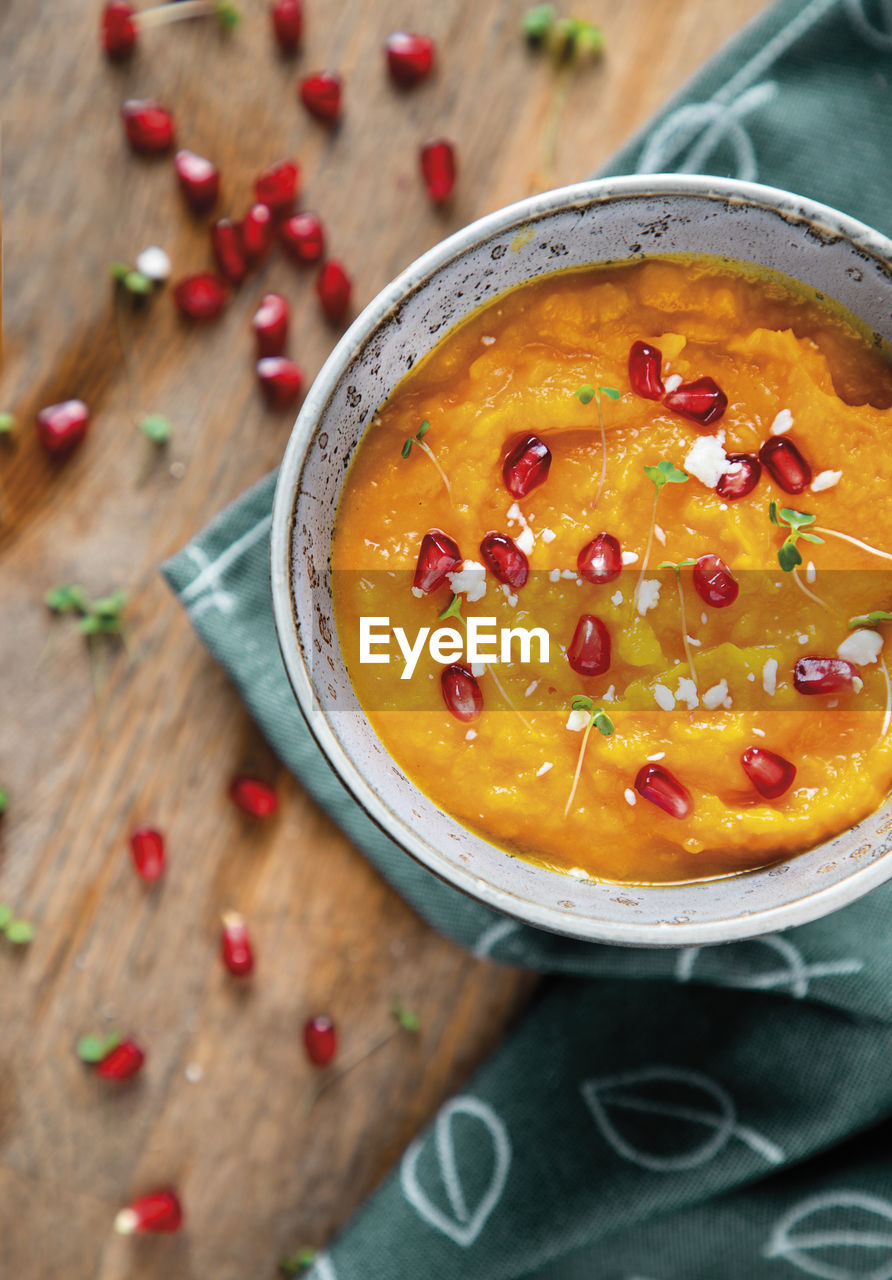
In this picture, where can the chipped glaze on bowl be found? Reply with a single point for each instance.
(611, 220)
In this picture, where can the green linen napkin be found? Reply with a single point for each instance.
(642, 1124)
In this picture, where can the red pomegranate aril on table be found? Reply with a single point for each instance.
(202, 296)
(254, 796)
(526, 466)
(321, 95)
(438, 556)
(147, 852)
(199, 180)
(438, 168)
(288, 23)
(589, 650)
(236, 951)
(701, 401)
(148, 125)
(714, 582)
(270, 325)
(461, 693)
(769, 773)
(278, 186)
(226, 243)
(785, 464)
(600, 560)
(662, 788)
(303, 237)
(645, 364)
(333, 289)
(409, 57)
(825, 675)
(320, 1040)
(118, 29)
(159, 1212)
(280, 381)
(505, 560)
(62, 426)
(121, 1063)
(257, 231)
(741, 478)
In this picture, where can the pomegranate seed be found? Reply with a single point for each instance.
(321, 1040)
(769, 773)
(257, 232)
(333, 288)
(785, 464)
(409, 57)
(600, 560)
(118, 29)
(62, 426)
(278, 186)
(147, 851)
(505, 560)
(122, 1063)
(461, 693)
(148, 125)
(201, 297)
(438, 555)
(645, 363)
(438, 169)
(714, 582)
(321, 95)
(227, 246)
(824, 675)
(288, 20)
(302, 237)
(702, 401)
(199, 180)
(663, 789)
(280, 380)
(742, 480)
(589, 651)
(235, 946)
(526, 466)
(160, 1211)
(254, 797)
(270, 325)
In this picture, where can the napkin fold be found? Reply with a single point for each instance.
(666, 1130)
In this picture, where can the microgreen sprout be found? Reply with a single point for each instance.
(298, 1262)
(7, 423)
(678, 566)
(102, 617)
(452, 610)
(665, 472)
(95, 1048)
(130, 280)
(228, 15)
(872, 619)
(585, 395)
(155, 427)
(571, 43)
(405, 1018)
(419, 439)
(789, 555)
(597, 718)
(4, 801)
(18, 932)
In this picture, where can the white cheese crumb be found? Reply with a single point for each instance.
(673, 382)
(704, 618)
(509, 594)
(577, 720)
(610, 695)
(811, 572)
(630, 796)
(861, 647)
(659, 534)
(478, 668)
(470, 735)
(825, 480)
(543, 768)
(660, 755)
(664, 698)
(555, 575)
(751, 677)
(531, 688)
(760, 733)
(706, 459)
(648, 595)
(487, 339)
(803, 639)
(857, 684)
(469, 581)
(154, 264)
(417, 592)
(686, 692)
(548, 535)
(782, 423)
(616, 598)
(769, 676)
(629, 557)
(515, 515)
(694, 641)
(569, 573)
(525, 540)
(717, 696)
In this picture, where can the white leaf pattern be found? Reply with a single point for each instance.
(835, 1245)
(795, 972)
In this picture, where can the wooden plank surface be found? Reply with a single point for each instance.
(258, 1171)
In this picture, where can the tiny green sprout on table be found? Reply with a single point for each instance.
(597, 718)
(585, 395)
(92, 1049)
(18, 932)
(423, 445)
(298, 1262)
(102, 617)
(131, 280)
(403, 1019)
(677, 566)
(4, 801)
(665, 472)
(7, 424)
(155, 427)
(571, 43)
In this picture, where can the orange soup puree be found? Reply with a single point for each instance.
(699, 602)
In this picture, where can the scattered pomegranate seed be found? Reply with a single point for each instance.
(738, 483)
(257, 232)
(526, 466)
(253, 796)
(62, 426)
(118, 30)
(148, 125)
(600, 560)
(121, 1063)
(438, 555)
(199, 180)
(714, 582)
(302, 237)
(160, 1211)
(438, 169)
(270, 325)
(333, 287)
(321, 95)
(785, 464)
(645, 363)
(409, 57)
(505, 560)
(226, 243)
(769, 773)
(288, 20)
(461, 693)
(280, 380)
(201, 297)
(321, 1040)
(589, 650)
(235, 946)
(824, 675)
(663, 789)
(702, 401)
(147, 851)
(278, 186)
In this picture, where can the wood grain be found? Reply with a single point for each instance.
(259, 1172)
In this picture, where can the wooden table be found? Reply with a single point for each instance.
(258, 1171)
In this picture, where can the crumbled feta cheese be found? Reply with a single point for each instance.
(664, 698)
(154, 264)
(803, 639)
(686, 692)
(659, 755)
(610, 695)
(769, 676)
(857, 684)
(469, 581)
(555, 575)
(760, 733)
(629, 557)
(515, 515)
(811, 572)
(616, 598)
(569, 573)
(861, 647)
(751, 677)
(673, 382)
(630, 796)
(659, 535)
(648, 595)
(525, 540)
(531, 688)
(717, 696)
(470, 735)
(706, 459)
(548, 535)
(825, 480)
(704, 618)
(782, 423)
(417, 592)
(509, 594)
(578, 720)
(487, 339)
(478, 668)
(543, 768)
(694, 641)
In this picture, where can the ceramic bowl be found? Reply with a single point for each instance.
(600, 221)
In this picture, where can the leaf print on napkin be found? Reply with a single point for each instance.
(839, 1235)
